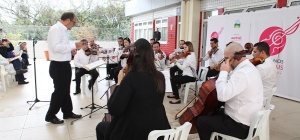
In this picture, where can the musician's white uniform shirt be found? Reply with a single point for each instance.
(188, 63)
(242, 92)
(59, 46)
(82, 59)
(268, 73)
(160, 64)
(215, 57)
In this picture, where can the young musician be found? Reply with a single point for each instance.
(118, 53)
(123, 60)
(175, 69)
(189, 64)
(160, 56)
(137, 107)
(267, 69)
(242, 93)
(83, 57)
(214, 56)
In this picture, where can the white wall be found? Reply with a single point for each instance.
(135, 7)
(168, 12)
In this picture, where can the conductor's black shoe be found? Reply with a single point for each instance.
(73, 116)
(55, 121)
(90, 85)
(22, 83)
(74, 80)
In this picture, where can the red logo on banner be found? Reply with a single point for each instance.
(216, 34)
(276, 37)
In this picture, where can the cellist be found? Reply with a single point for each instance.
(242, 92)
(214, 56)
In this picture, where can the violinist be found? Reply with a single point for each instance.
(175, 69)
(122, 59)
(159, 56)
(118, 52)
(214, 56)
(267, 69)
(83, 57)
(188, 65)
(242, 92)
(137, 101)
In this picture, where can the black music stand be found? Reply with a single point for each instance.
(92, 106)
(36, 98)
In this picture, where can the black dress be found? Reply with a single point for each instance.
(137, 108)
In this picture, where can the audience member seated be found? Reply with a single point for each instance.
(137, 107)
(83, 57)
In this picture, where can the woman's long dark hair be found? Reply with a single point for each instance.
(144, 62)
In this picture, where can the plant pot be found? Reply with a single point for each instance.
(46, 55)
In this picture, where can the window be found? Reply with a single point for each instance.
(259, 8)
(162, 27)
(234, 11)
(143, 30)
(295, 3)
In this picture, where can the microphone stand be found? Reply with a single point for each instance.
(36, 98)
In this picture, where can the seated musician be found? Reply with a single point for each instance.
(137, 107)
(114, 64)
(214, 56)
(83, 57)
(242, 92)
(267, 69)
(159, 56)
(175, 69)
(189, 63)
(122, 59)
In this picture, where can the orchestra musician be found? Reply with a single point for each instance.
(214, 56)
(122, 59)
(137, 107)
(83, 57)
(175, 69)
(267, 69)
(188, 65)
(118, 52)
(159, 56)
(242, 92)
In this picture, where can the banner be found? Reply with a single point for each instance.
(280, 29)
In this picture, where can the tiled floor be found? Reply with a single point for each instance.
(19, 123)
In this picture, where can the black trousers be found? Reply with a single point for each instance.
(114, 72)
(109, 66)
(101, 130)
(177, 80)
(25, 57)
(173, 70)
(211, 72)
(61, 74)
(220, 123)
(80, 72)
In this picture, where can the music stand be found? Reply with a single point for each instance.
(92, 106)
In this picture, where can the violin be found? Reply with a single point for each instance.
(161, 53)
(257, 60)
(181, 55)
(130, 59)
(125, 52)
(213, 50)
(90, 51)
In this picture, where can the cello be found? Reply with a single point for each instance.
(206, 101)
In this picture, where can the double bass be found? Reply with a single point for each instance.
(206, 101)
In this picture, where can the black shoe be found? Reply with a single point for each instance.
(178, 102)
(77, 92)
(74, 80)
(170, 96)
(22, 83)
(73, 116)
(21, 71)
(90, 85)
(55, 121)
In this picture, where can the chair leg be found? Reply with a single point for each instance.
(186, 92)
(3, 83)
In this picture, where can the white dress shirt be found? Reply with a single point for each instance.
(160, 64)
(188, 63)
(8, 66)
(59, 46)
(242, 92)
(124, 60)
(215, 57)
(268, 73)
(81, 59)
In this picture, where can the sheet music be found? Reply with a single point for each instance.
(17, 57)
(93, 65)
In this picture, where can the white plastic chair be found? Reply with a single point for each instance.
(84, 86)
(3, 75)
(172, 134)
(260, 122)
(201, 78)
(267, 102)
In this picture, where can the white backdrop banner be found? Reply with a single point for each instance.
(280, 29)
